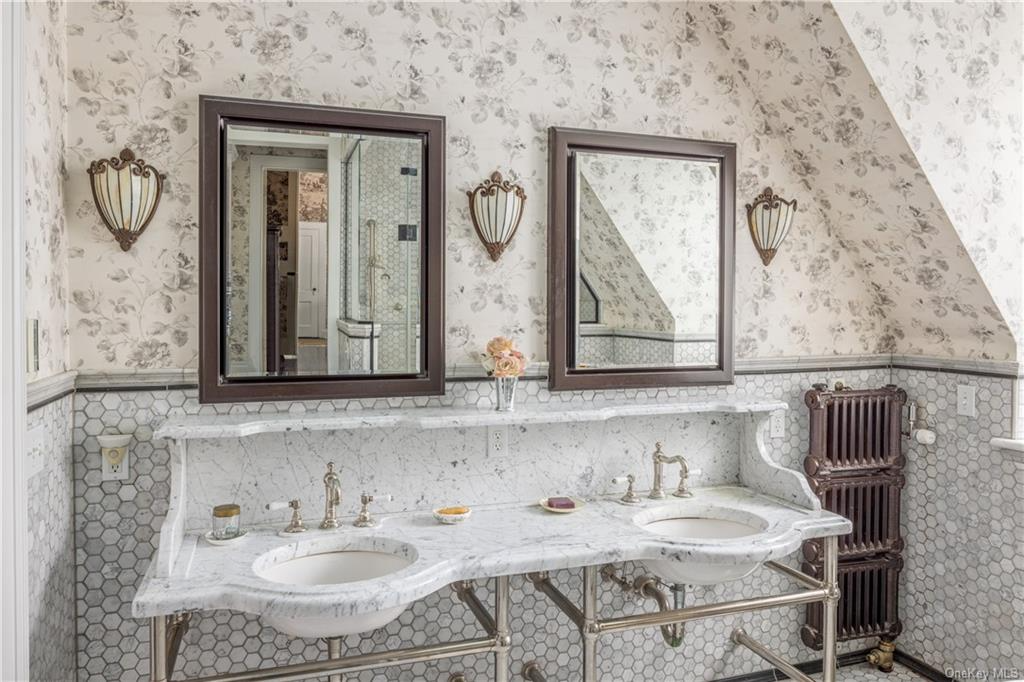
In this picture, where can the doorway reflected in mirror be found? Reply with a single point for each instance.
(324, 254)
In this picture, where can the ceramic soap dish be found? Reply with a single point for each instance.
(561, 505)
(449, 516)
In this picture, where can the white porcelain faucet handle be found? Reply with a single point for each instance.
(630, 497)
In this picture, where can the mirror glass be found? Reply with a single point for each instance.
(324, 261)
(647, 260)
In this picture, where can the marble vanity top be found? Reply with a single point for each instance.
(497, 540)
(242, 425)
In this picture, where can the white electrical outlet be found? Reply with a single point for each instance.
(115, 463)
(497, 441)
(966, 401)
(777, 424)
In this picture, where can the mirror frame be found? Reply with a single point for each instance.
(562, 256)
(215, 113)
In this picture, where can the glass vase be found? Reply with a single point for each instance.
(505, 393)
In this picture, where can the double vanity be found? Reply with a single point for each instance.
(323, 255)
(328, 583)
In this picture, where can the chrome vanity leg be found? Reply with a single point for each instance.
(829, 620)
(589, 629)
(334, 653)
(158, 649)
(502, 633)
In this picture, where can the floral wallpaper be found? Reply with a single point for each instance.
(951, 75)
(868, 267)
(46, 243)
(852, 162)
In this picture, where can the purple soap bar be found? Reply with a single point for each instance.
(561, 503)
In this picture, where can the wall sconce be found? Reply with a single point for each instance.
(769, 218)
(126, 191)
(496, 207)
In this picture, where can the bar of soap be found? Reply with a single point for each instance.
(561, 503)
(453, 511)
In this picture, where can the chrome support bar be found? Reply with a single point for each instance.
(357, 663)
(741, 638)
(158, 649)
(830, 621)
(465, 592)
(543, 583)
(799, 576)
(591, 625)
(177, 626)
(502, 633)
(624, 623)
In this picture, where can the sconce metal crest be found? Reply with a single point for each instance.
(496, 207)
(126, 191)
(769, 218)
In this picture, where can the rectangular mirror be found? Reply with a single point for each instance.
(641, 260)
(325, 229)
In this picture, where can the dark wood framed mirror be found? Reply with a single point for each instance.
(640, 260)
(321, 252)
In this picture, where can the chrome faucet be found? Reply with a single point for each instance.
(660, 460)
(332, 490)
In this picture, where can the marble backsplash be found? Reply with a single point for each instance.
(425, 469)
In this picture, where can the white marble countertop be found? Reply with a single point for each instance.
(499, 540)
(240, 425)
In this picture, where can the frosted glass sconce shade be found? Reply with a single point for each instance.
(126, 191)
(496, 207)
(769, 218)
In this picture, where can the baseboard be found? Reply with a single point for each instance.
(920, 667)
(809, 667)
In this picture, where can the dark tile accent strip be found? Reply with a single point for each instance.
(137, 387)
(920, 667)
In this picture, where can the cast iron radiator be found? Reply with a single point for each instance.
(855, 467)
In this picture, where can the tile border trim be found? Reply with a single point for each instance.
(42, 392)
(46, 390)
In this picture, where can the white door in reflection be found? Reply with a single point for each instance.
(312, 279)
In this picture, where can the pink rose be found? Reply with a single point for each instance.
(499, 345)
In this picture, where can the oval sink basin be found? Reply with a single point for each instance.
(331, 568)
(704, 527)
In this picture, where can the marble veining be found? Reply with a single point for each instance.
(241, 425)
(499, 540)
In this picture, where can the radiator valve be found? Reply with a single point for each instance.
(882, 655)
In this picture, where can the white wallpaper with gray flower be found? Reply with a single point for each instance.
(46, 241)
(951, 75)
(868, 267)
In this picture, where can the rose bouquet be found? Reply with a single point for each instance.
(506, 364)
(502, 360)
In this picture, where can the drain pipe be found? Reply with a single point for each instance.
(647, 587)
(532, 673)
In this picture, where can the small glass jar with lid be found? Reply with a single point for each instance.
(226, 521)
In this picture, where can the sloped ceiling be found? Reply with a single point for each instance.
(951, 75)
(811, 88)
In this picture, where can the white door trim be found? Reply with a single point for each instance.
(258, 166)
(14, 622)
